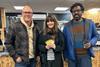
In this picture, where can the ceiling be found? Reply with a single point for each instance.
(46, 5)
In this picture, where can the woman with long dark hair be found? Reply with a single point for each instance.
(51, 44)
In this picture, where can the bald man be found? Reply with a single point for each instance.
(21, 39)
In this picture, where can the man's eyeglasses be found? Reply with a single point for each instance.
(76, 11)
(28, 12)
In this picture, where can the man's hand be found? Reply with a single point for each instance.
(18, 59)
(87, 45)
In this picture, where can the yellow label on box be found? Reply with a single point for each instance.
(49, 42)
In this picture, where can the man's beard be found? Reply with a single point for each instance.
(77, 17)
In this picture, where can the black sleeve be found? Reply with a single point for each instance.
(60, 43)
(42, 44)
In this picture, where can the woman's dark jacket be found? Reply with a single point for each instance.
(59, 42)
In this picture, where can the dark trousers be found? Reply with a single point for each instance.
(49, 63)
(31, 63)
(81, 61)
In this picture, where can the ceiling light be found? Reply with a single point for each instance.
(18, 7)
(61, 8)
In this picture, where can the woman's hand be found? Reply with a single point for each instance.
(51, 46)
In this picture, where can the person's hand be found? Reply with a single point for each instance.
(87, 45)
(50, 46)
(53, 46)
(18, 59)
(38, 59)
(38, 63)
(47, 47)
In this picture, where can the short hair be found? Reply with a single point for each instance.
(27, 5)
(75, 5)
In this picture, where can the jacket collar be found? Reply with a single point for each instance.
(23, 22)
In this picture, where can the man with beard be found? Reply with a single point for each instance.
(80, 36)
